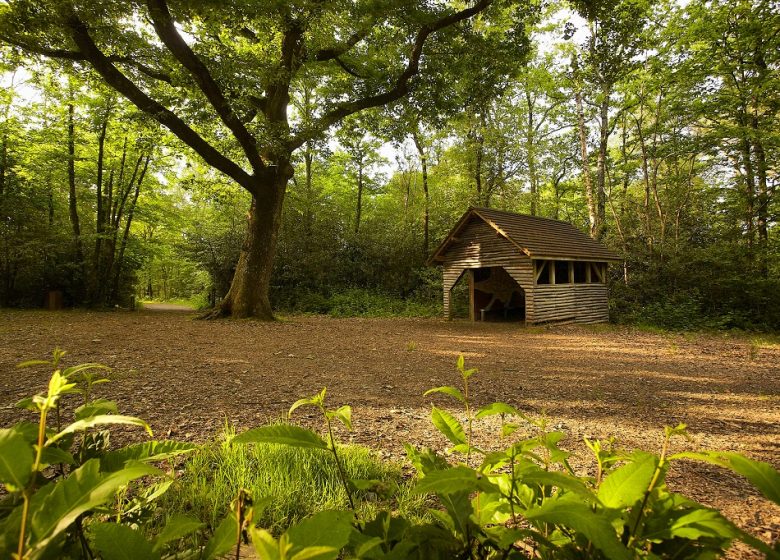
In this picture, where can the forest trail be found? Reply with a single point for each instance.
(187, 378)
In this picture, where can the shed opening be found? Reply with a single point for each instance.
(493, 295)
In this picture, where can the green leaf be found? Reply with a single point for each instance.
(364, 484)
(342, 414)
(532, 474)
(627, 485)
(282, 434)
(703, 523)
(81, 425)
(84, 489)
(425, 460)
(327, 529)
(95, 408)
(120, 542)
(177, 527)
(448, 425)
(761, 475)
(447, 390)
(570, 512)
(27, 403)
(508, 429)
(497, 408)
(316, 553)
(73, 370)
(31, 363)
(461, 362)
(265, 545)
(16, 458)
(453, 480)
(465, 448)
(223, 539)
(147, 452)
(55, 455)
(59, 385)
(317, 400)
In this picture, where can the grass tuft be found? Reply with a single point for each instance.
(297, 482)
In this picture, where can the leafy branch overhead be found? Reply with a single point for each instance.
(200, 57)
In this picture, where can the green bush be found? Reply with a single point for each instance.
(69, 495)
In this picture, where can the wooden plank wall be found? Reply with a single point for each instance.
(582, 303)
(477, 246)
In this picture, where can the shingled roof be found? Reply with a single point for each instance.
(536, 237)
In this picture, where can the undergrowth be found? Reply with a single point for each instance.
(297, 494)
(358, 302)
(296, 483)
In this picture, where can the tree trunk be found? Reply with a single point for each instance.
(3, 162)
(427, 210)
(78, 252)
(589, 195)
(98, 276)
(762, 199)
(750, 193)
(601, 165)
(72, 201)
(359, 208)
(530, 148)
(248, 295)
(128, 222)
(308, 218)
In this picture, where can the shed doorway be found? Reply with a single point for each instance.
(490, 294)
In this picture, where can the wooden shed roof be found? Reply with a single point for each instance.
(534, 236)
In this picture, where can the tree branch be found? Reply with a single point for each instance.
(347, 69)
(77, 56)
(401, 86)
(113, 77)
(166, 30)
(338, 50)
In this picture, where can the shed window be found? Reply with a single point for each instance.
(579, 272)
(542, 272)
(599, 274)
(562, 272)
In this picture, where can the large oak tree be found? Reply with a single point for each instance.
(220, 76)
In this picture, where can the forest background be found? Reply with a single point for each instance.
(652, 126)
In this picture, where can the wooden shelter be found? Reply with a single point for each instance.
(525, 267)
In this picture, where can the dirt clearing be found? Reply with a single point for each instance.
(188, 377)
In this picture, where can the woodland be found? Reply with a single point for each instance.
(307, 156)
(258, 158)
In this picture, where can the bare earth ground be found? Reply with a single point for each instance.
(187, 378)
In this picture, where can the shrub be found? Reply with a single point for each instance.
(67, 488)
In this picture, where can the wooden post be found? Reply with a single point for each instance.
(571, 272)
(538, 269)
(551, 267)
(588, 276)
(472, 303)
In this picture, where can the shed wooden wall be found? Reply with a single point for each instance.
(478, 245)
(582, 303)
